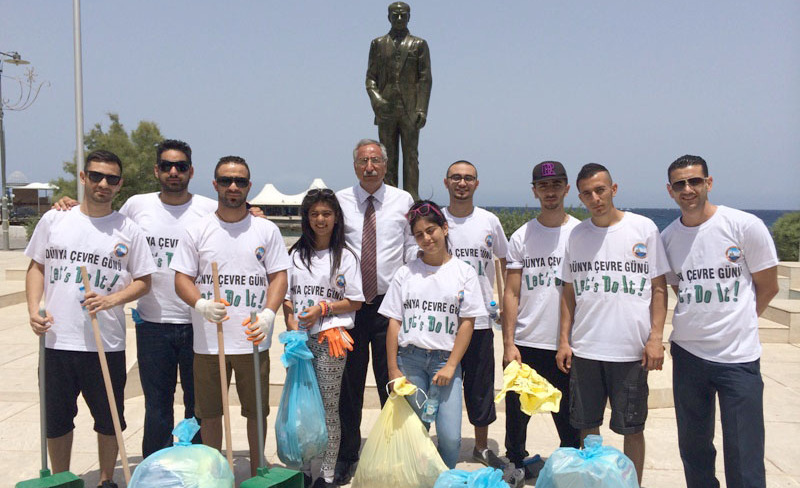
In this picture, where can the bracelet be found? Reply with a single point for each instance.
(324, 308)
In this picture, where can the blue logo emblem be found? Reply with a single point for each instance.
(489, 240)
(340, 281)
(640, 250)
(460, 297)
(260, 251)
(120, 250)
(733, 254)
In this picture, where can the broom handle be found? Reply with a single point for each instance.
(42, 399)
(259, 407)
(112, 402)
(498, 273)
(223, 375)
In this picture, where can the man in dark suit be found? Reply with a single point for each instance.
(399, 87)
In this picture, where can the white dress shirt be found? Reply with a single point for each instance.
(395, 244)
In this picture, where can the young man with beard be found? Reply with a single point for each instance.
(247, 250)
(114, 251)
(476, 237)
(530, 321)
(724, 271)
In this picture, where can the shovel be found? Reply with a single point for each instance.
(265, 477)
(65, 478)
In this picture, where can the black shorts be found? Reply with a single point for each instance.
(477, 372)
(592, 382)
(71, 373)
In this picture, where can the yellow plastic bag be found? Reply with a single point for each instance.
(398, 453)
(536, 394)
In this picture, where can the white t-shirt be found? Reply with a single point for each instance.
(477, 239)
(429, 300)
(610, 269)
(538, 251)
(712, 263)
(114, 251)
(307, 288)
(163, 226)
(245, 252)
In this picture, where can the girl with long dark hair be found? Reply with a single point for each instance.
(324, 293)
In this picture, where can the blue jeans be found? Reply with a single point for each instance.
(419, 366)
(695, 383)
(163, 351)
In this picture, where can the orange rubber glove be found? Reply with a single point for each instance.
(338, 341)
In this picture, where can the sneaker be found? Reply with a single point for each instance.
(532, 468)
(514, 477)
(321, 483)
(487, 457)
(107, 484)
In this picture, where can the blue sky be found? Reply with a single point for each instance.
(629, 84)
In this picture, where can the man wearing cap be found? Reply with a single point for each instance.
(530, 321)
(724, 272)
(613, 309)
(477, 238)
(399, 87)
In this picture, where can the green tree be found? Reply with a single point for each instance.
(137, 151)
(786, 231)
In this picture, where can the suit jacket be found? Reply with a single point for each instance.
(406, 69)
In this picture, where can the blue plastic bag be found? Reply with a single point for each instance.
(482, 478)
(300, 427)
(594, 466)
(184, 465)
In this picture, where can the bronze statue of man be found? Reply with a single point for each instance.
(399, 87)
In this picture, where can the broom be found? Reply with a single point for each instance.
(265, 477)
(65, 479)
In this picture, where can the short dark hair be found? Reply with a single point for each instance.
(231, 159)
(685, 161)
(176, 145)
(590, 169)
(462, 161)
(103, 156)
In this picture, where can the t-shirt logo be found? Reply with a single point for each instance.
(260, 251)
(489, 240)
(733, 254)
(460, 297)
(120, 250)
(340, 281)
(640, 250)
(548, 170)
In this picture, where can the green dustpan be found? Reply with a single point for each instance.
(46, 480)
(266, 477)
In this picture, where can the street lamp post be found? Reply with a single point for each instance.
(13, 58)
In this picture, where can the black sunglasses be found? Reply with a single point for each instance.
(678, 186)
(227, 181)
(325, 192)
(97, 177)
(165, 166)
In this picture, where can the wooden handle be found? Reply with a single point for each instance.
(498, 273)
(112, 403)
(223, 375)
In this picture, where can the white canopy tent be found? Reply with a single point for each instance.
(269, 195)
